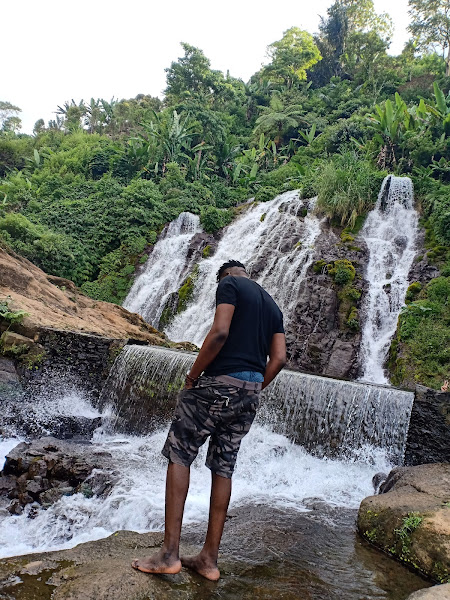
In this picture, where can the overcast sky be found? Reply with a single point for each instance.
(54, 51)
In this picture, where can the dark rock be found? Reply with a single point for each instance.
(46, 469)
(377, 481)
(342, 359)
(428, 438)
(318, 339)
(15, 508)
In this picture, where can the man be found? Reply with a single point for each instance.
(221, 403)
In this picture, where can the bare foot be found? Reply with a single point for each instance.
(161, 562)
(204, 566)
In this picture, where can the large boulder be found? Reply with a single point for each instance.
(410, 518)
(437, 592)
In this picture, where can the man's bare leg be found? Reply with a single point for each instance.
(205, 562)
(167, 560)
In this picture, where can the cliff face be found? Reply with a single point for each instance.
(324, 334)
(52, 302)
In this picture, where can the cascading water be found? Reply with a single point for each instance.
(326, 416)
(390, 233)
(275, 240)
(165, 269)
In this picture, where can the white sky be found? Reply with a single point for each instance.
(53, 51)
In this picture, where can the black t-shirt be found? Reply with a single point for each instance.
(255, 320)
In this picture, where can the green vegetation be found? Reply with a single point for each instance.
(347, 186)
(87, 194)
(8, 314)
(409, 524)
(421, 350)
(186, 290)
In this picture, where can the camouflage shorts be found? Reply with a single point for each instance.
(223, 412)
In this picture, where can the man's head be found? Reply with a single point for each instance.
(232, 267)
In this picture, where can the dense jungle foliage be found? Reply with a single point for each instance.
(330, 114)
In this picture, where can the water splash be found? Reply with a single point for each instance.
(270, 469)
(165, 269)
(275, 240)
(390, 234)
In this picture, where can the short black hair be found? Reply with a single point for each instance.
(227, 265)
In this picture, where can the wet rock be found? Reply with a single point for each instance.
(8, 374)
(342, 359)
(428, 438)
(410, 518)
(320, 341)
(437, 592)
(45, 470)
(377, 481)
(15, 508)
(266, 554)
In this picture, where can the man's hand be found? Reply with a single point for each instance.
(189, 382)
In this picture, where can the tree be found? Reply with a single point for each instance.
(430, 26)
(192, 76)
(291, 57)
(72, 113)
(12, 124)
(39, 127)
(7, 110)
(351, 37)
(331, 42)
(362, 16)
(276, 119)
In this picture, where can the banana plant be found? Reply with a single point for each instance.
(308, 136)
(441, 109)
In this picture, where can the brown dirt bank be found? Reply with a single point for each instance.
(56, 303)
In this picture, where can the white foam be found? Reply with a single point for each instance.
(270, 470)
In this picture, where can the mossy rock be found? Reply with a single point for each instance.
(186, 290)
(411, 521)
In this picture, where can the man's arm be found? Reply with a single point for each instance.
(277, 358)
(214, 341)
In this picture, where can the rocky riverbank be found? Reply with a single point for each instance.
(42, 471)
(266, 553)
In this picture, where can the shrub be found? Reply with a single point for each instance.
(347, 186)
(56, 253)
(353, 319)
(265, 194)
(212, 219)
(8, 314)
(438, 290)
(413, 291)
(342, 271)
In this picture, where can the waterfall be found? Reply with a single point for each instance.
(326, 416)
(275, 240)
(390, 234)
(165, 269)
